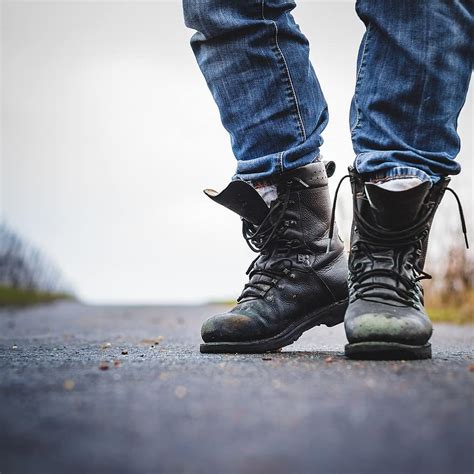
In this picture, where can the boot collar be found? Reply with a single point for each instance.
(396, 209)
(241, 197)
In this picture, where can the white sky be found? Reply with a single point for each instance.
(110, 134)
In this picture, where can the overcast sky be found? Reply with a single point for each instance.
(110, 135)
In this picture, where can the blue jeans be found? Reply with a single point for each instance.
(413, 72)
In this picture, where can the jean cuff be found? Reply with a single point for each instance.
(258, 182)
(400, 172)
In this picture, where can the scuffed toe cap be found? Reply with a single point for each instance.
(370, 321)
(230, 327)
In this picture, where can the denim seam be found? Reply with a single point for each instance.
(282, 60)
(394, 176)
(360, 75)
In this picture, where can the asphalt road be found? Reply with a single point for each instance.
(125, 390)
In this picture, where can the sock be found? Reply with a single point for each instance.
(399, 184)
(267, 192)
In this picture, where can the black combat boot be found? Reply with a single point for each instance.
(385, 318)
(294, 284)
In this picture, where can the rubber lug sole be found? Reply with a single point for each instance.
(328, 316)
(387, 351)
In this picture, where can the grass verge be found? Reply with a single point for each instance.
(22, 297)
(452, 315)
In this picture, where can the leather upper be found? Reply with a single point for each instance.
(388, 246)
(293, 275)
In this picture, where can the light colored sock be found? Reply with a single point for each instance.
(268, 193)
(399, 184)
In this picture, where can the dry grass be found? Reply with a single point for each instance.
(457, 307)
(23, 297)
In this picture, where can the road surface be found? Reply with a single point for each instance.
(125, 390)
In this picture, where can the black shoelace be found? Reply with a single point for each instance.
(267, 239)
(408, 243)
(407, 250)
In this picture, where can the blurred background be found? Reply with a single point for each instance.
(109, 134)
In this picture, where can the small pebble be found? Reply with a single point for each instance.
(104, 366)
(116, 363)
(154, 342)
(69, 384)
(106, 345)
(124, 352)
(277, 383)
(328, 360)
(370, 383)
(14, 347)
(180, 391)
(266, 358)
(471, 368)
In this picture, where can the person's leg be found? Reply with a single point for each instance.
(414, 68)
(256, 63)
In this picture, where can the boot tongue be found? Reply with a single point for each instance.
(396, 209)
(243, 199)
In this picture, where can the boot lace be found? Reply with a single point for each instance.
(268, 240)
(404, 248)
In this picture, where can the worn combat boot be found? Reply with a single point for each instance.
(385, 318)
(294, 284)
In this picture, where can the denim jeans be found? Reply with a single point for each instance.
(413, 72)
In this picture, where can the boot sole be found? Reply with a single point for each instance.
(329, 316)
(387, 351)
